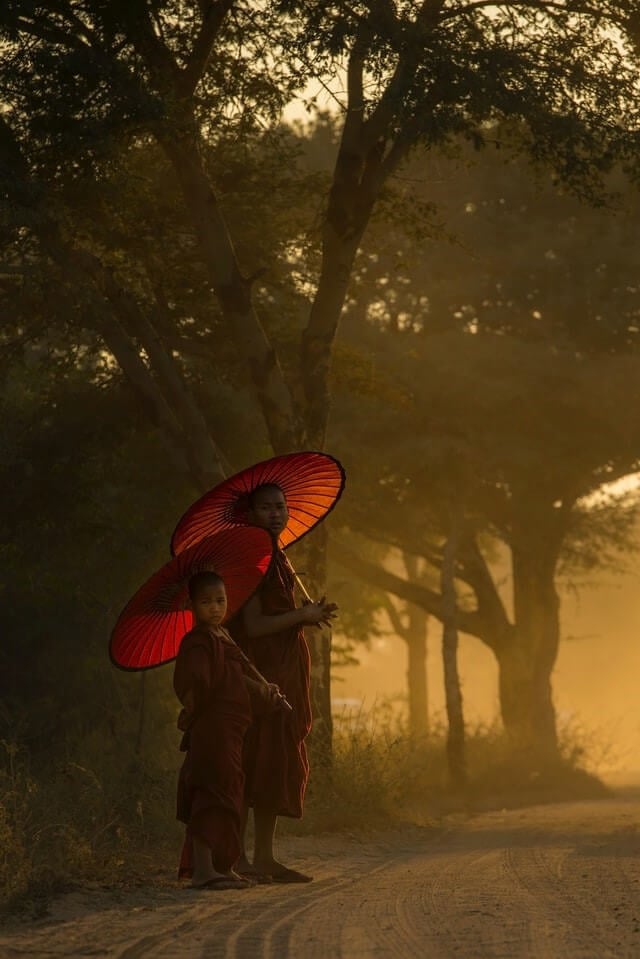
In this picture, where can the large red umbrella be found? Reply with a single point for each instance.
(312, 483)
(153, 623)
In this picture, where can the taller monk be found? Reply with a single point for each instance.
(269, 628)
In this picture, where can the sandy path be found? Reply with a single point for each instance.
(549, 881)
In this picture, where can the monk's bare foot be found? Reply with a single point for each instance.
(224, 882)
(281, 873)
(245, 870)
(247, 880)
(214, 879)
(218, 880)
(200, 879)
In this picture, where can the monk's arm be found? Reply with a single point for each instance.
(257, 623)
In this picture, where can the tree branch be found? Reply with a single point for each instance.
(540, 5)
(156, 54)
(168, 400)
(213, 15)
(378, 123)
(427, 599)
(394, 618)
(49, 33)
(416, 547)
(474, 571)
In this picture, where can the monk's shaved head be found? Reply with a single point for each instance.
(263, 491)
(201, 581)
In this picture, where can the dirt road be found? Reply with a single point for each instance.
(548, 881)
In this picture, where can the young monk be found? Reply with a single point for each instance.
(269, 629)
(216, 694)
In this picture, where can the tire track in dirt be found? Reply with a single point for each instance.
(594, 897)
(465, 903)
(267, 936)
(252, 927)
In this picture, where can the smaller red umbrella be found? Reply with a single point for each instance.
(312, 483)
(152, 625)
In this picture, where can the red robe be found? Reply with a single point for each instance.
(276, 765)
(209, 682)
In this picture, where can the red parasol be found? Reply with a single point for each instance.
(312, 483)
(152, 624)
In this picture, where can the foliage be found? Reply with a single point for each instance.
(424, 73)
(504, 365)
(98, 814)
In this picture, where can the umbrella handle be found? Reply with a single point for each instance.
(258, 675)
(302, 587)
(283, 699)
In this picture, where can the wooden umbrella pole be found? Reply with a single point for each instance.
(258, 675)
(303, 588)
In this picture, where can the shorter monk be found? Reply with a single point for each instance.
(216, 694)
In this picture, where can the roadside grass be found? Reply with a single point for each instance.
(380, 775)
(104, 814)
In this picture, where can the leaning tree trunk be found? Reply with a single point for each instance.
(233, 290)
(453, 692)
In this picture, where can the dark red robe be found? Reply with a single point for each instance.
(276, 765)
(209, 682)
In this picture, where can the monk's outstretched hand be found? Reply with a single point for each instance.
(319, 612)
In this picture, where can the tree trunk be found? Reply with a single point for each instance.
(415, 636)
(527, 661)
(338, 255)
(416, 639)
(314, 553)
(453, 692)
